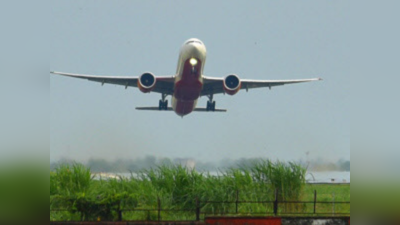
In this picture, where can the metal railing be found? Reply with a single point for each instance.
(272, 208)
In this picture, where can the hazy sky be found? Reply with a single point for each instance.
(256, 40)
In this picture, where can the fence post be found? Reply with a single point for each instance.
(333, 204)
(119, 215)
(237, 201)
(315, 201)
(197, 209)
(159, 209)
(276, 203)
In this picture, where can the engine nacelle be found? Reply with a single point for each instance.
(146, 82)
(232, 84)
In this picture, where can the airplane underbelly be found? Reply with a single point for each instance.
(188, 91)
(183, 108)
(185, 96)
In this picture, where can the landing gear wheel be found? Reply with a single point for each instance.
(160, 105)
(163, 103)
(210, 103)
(210, 106)
(166, 105)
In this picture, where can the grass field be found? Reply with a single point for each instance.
(329, 193)
(73, 190)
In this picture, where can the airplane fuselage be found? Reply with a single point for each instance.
(189, 77)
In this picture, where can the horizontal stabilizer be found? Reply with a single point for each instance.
(154, 108)
(170, 109)
(205, 110)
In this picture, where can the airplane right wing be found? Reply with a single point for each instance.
(249, 84)
(215, 85)
(164, 85)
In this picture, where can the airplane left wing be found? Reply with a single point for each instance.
(214, 85)
(164, 85)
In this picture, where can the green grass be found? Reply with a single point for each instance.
(176, 187)
(328, 193)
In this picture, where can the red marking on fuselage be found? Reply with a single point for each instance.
(188, 89)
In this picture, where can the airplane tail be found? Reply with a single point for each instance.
(170, 109)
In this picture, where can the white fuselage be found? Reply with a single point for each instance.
(189, 76)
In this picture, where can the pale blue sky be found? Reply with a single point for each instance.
(24, 80)
(256, 40)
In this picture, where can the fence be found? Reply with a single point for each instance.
(269, 208)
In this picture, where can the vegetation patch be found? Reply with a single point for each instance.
(245, 189)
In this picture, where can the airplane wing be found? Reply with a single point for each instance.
(164, 85)
(214, 85)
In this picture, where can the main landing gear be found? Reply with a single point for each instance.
(163, 103)
(210, 103)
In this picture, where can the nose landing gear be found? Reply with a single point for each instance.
(194, 71)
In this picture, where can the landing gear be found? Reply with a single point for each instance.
(194, 71)
(210, 103)
(211, 106)
(163, 104)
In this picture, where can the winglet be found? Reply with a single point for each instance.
(57, 73)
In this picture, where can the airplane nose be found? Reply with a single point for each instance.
(197, 49)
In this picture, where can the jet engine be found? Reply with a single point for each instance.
(232, 84)
(146, 82)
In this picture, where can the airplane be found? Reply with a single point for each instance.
(188, 84)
